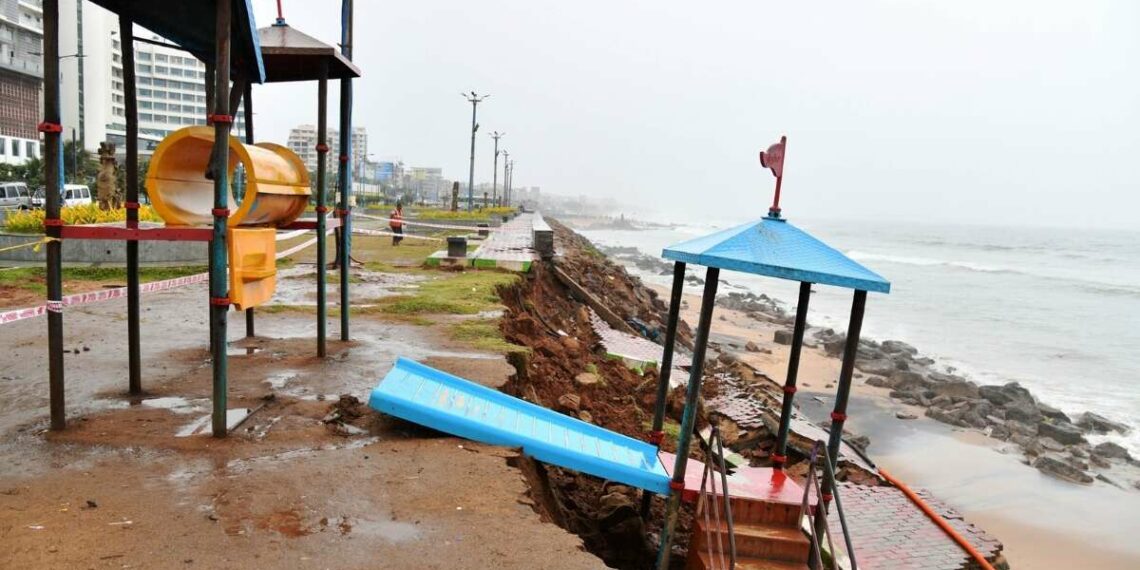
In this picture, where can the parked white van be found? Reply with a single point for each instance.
(75, 195)
(14, 196)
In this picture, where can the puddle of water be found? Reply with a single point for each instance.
(392, 531)
(242, 350)
(202, 424)
(245, 464)
(279, 380)
(175, 404)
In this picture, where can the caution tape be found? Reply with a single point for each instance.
(367, 232)
(32, 244)
(119, 292)
(290, 235)
(440, 226)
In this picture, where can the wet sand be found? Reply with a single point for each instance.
(1044, 523)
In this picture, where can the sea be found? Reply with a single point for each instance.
(1057, 310)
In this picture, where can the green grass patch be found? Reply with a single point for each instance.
(477, 215)
(464, 293)
(484, 334)
(33, 278)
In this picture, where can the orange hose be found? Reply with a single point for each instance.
(938, 520)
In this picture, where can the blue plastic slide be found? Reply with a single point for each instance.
(441, 401)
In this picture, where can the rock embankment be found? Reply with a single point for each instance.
(1054, 442)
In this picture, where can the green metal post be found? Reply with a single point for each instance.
(666, 369)
(345, 168)
(322, 208)
(689, 418)
(779, 456)
(134, 337)
(53, 170)
(219, 296)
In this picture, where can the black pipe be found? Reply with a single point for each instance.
(666, 369)
(345, 173)
(52, 171)
(248, 98)
(219, 305)
(779, 457)
(839, 413)
(131, 104)
(689, 418)
(322, 160)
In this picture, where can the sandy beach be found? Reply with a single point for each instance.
(1043, 523)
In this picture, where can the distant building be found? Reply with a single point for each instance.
(170, 82)
(303, 141)
(21, 79)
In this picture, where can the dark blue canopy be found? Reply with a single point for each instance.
(191, 24)
(775, 248)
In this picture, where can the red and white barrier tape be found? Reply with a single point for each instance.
(439, 226)
(119, 292)
(368, 232)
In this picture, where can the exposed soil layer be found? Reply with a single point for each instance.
(543, 314)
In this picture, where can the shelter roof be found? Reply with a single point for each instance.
(292, 55)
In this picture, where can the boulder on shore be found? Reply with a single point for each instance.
(1059, 468)
(782, 337)
(1111, 450)
(1064, 433)
(1099, 424)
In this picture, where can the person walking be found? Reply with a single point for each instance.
(396, 223)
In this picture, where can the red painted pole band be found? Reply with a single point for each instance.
(838, 417)
(215, 118)
(789, 390)
(53, 222)
(343, 158)
(220, 212)
(322, 148)
(131, 205)
(220, 301)
(321, 209)
(778, 459)
(342, 213)
(676, 485)
(656, 437)
(46, 127)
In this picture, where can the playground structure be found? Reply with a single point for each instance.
(189, 179)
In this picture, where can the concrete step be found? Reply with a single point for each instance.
(760, 540)
(701, 561)
(748, 510)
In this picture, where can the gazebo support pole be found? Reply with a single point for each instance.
(248, 99)
(53, 170)
(219, 295)
(689, 418)
(780, 457)
(666, 369)
(345, 169)
(322, 208)
(839, 414)
(131, 104)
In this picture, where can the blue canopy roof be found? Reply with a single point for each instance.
(776, 248)
(191, 23)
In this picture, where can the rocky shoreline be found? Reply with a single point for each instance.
(1052, 441)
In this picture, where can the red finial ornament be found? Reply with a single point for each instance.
(773, 159)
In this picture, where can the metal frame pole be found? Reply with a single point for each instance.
(779, 456)
(495, 168)
(53, 156)
(322, 208)
(247, 97)
(345, 168)
(471, 171)
(689, 419)
(839, 413)
(219, 300)
(134, 336)
(666, 370)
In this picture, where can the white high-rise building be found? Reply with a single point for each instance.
(21, 79)
(303, 141)
(170, 82)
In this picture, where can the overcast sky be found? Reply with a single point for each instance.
(978, 111)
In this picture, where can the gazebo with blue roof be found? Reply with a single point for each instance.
(771, 247)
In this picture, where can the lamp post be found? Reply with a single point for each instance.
(506, 197)
(474, 99)
(495, 169)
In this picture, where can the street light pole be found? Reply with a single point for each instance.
(506, 197)
(495, 170)
(474, 99)
(510, 179)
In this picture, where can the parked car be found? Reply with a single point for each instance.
(75, 195)
(14, 196)
(38, 199)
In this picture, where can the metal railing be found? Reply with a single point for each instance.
(817, 520)
(714, 465)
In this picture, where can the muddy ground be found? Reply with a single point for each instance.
(309, 480)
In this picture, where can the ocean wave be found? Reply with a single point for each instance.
(1087, 285)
